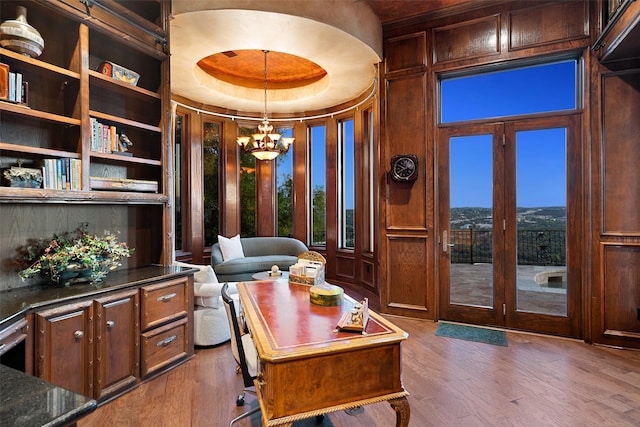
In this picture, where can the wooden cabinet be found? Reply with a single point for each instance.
(64, 346)
(117, 342)
(620, 38)
(95, 346)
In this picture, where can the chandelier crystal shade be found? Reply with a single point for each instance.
(266, 144)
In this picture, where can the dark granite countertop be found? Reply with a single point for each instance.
(30, 401)
(16, 302)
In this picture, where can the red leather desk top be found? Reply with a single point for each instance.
(285, 324)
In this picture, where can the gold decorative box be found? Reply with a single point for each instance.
(326, 295)
(305, 280)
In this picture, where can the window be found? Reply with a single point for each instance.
(179, 180)
(547, 87)
(318, 181)
(367, 185)
(284, 185)
(346, 185)
(247, 189)
(211, 181)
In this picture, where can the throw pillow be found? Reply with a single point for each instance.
(230, 248)
(205, 275)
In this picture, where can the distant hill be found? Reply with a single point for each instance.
(542, 218)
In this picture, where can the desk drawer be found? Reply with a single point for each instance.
(163, 303)
(163, 346)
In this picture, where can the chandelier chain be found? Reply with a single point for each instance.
(265, 83)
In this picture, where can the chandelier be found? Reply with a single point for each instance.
(267, 144)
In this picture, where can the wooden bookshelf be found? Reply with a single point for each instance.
(65, 92)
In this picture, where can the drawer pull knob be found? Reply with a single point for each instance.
(110, 324)
(167, 297)
(166, 341)
(78, 334)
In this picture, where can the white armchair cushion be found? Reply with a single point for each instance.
(230, 248)
(205, 275)
(206, 288)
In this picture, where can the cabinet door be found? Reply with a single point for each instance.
(117, 342)
(64, 347)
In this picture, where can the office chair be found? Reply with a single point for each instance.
(244, 351)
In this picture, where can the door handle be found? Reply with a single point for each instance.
(445, 242)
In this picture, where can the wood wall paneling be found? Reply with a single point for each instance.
(406, 133)
(367, 274)
(621, 290)
(549, 23)
(621, 152)
(407, 288)
(406, 52)
(345, 266)
(469, 39)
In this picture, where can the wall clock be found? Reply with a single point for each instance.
(404, 168)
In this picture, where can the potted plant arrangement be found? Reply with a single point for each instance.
(75, 257)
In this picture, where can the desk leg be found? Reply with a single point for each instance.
(403, 411)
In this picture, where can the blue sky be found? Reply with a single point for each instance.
(541, 171)
(541, 154)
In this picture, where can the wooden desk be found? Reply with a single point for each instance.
(307, 368)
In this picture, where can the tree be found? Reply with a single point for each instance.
(285, 207)
(319, 216)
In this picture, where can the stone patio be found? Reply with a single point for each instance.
(473, 286)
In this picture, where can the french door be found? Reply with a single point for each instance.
(509, 221)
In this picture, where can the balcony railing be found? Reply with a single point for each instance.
(535, 247)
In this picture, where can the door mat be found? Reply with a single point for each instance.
(472, 333)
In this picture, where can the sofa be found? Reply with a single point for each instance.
(260, 254)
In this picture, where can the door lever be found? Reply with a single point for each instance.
(445, 242)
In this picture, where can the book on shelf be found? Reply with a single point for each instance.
(4, 82)
(13, 88)
(62, 174)
(105, 138)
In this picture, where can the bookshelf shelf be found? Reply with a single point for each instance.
(40, 195)
(17, 148)
(106, 82)
(37, 114)
(9, 56)
(124, 121)
(125, 159)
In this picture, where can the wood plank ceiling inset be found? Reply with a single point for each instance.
(246, 68)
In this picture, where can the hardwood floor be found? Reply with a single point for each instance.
(535, 381)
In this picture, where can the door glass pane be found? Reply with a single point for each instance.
(541, 212)
(471, 220)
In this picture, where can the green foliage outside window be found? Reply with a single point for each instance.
(285, 207)
(247, 194)
(211, 184)
(319, 236)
